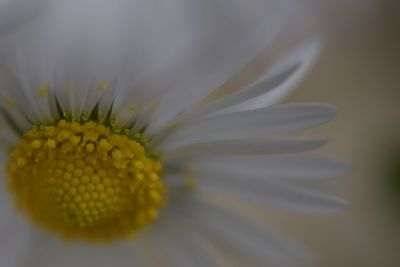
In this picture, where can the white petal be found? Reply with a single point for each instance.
(51, 252)
(296, 166)
(67, 51)
(305, 56)
(183, 246)
(277, 80)
(206, 43)
(14, 245)
(13, 13)
(243, 147)
(121, 253)
(8, 214)
(23, 75)
(7, 135)
(251, 124)
(241, 236)
(14, 231)
(185, 48)
(55, 252)
(272, 193)
(268, 180)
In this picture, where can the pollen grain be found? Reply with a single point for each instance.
(82, 180)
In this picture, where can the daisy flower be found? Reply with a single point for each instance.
(110, 160)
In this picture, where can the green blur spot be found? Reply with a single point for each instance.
(394, 179)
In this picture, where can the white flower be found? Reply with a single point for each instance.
(102, 136)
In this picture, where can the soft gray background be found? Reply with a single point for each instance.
(359, 71)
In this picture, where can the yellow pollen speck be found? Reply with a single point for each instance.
(90, 147)
(191, 180)
(174, 126)
(103, 85)
(37, 144)
(85, 181)
(8, 103)
(133, 109)
(51, 143)
(44, 90)
(75, 140)
(68, 88)
(153, 105)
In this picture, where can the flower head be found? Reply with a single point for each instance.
(103, 138)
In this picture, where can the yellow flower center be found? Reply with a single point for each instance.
(85, 180)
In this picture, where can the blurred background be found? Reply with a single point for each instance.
(359, 72)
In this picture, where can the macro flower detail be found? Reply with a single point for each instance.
(84, 180)
(112, 156)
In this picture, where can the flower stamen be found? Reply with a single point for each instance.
(85, 180)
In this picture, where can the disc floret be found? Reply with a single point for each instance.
(85, 180)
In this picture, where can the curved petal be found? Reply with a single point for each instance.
(305, 56)
(272, 193)
(243, 147)
(260, 167)
(272, 180)
(214, 40)
(184, 48)
(251, 124)
(276, 81)
(240, 236)
(181, 245)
